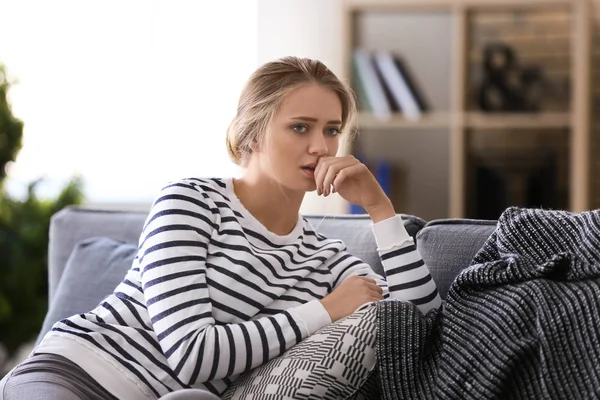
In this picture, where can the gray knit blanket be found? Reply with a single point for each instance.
(521, 322)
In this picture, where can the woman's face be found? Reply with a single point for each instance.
(305, 128)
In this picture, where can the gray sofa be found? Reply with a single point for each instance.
(91, 250)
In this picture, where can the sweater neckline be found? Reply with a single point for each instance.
(257, 225)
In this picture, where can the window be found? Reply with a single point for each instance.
(128, 94)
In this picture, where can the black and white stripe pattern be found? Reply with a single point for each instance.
(522, 322)
(211, 294)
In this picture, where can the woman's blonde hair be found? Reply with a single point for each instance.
(264, 93)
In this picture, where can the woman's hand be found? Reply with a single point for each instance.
(352, 180)
(350, 295)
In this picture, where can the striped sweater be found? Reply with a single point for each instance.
(212, 293)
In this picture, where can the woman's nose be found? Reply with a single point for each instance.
(318, 145)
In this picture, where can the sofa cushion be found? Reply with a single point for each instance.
(96, 266)
(449, 245)
(73, 224)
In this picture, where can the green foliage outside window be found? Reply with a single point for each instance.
(24, 225)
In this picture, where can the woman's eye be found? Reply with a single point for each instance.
(333, 131)
(300, 128)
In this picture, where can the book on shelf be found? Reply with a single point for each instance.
(385, 85)
(371, 85)
(395, 107)
(359, 89)
(413, 87)
(397, 85)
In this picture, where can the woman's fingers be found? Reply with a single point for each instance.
(321, 170)
(376, 288)
(373, 287)
(327, 170)
(347, 173)
(332, 173)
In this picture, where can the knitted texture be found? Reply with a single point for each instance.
(521, 322)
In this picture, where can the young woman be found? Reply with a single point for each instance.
(228, 275)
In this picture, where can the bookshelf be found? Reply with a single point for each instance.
(457, 118)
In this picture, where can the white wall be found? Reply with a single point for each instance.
(304, 28)
(130, 94)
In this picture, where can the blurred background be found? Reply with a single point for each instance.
(466, 107)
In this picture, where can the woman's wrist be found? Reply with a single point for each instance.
(381, 211)
(390, 233)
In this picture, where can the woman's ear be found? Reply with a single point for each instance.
(254, 146)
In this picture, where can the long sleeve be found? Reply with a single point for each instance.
(172, 262)
(407, 276)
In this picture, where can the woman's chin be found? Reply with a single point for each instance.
(309, 184)
(311, 187)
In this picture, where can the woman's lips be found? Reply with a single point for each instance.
(309, 171)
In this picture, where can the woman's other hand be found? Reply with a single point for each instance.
(350, 295)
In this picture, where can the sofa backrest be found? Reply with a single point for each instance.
(74, 224)
(449, 245)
